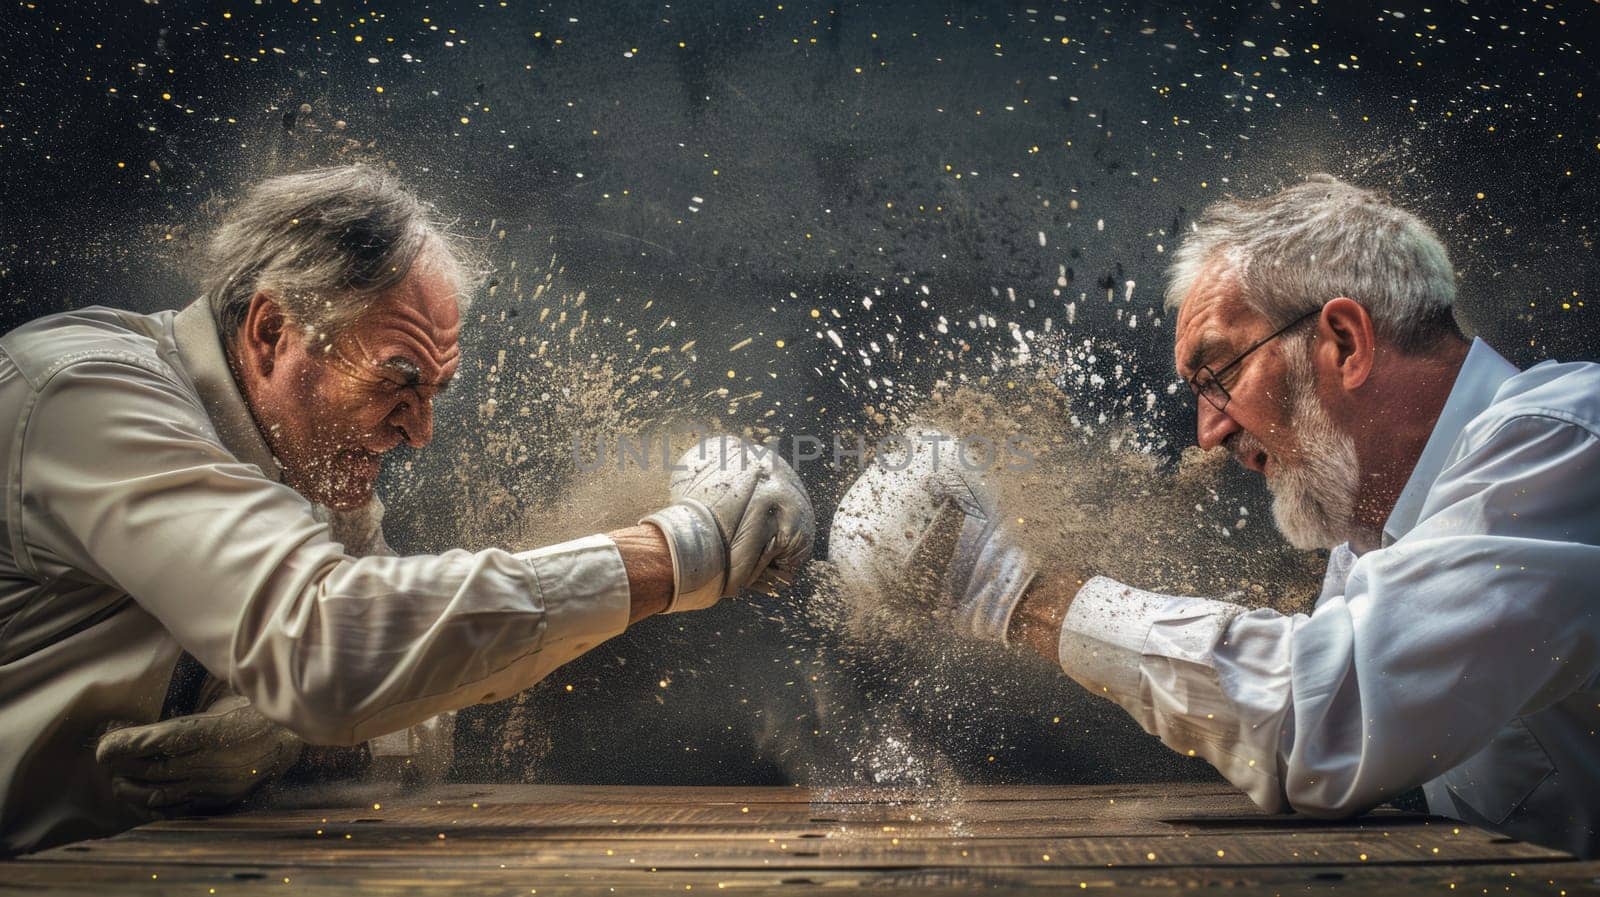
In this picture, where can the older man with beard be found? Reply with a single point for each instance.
(1456, 642)
(195, 490)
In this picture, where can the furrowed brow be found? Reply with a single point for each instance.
(405, 367)
(413, 374)
(1204, 352)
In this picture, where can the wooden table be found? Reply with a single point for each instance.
(554, 840)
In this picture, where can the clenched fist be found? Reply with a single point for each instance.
(924, 512)
(739, 519)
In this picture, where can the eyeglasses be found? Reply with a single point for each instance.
(1207, 383)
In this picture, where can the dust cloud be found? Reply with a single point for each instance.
(874, 695)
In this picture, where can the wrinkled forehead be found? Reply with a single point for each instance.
(421, 314)
(1212, 321)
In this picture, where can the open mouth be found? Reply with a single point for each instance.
(363, 463)
(1257, 460)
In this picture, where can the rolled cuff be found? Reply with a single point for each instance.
(1103, 636)
(1156, 656)
(583, 587)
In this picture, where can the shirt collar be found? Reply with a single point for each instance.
(195, 331)
(1476, 384)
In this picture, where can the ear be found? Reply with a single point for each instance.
(261, 337)
(1348, 344)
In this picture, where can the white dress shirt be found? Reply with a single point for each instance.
(1463, 655)
(143, 516)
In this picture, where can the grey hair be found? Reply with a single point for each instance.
(326, 243)
(1290, 252)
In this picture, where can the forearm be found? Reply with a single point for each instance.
(1036, 623)
(473, 627)
(1113, 667)
(649, 564)
(1190, 671)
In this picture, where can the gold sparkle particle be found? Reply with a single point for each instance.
(778, 343)
(465, 120)
(814, 312)
(731, 375)
(378, 89)
(1480, 195)
(166, 96)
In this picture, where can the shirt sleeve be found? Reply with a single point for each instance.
(360, 531)
(124, 480)
(1483, 613)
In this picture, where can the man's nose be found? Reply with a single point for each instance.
(1212, 426)
(414, 419)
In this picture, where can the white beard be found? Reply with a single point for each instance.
(1314, 498)
(1313, 489)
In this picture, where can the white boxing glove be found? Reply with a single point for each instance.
(739, 519)
(922, 506)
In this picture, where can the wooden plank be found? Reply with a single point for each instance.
(566, 839)
(760, 825)
(740, 806)
(454, 846)
(1391, 881)
(1179, 797)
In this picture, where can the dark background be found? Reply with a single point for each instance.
(712, 171)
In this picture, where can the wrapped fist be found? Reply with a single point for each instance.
(739, 519)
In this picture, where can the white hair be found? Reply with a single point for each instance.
(325, 243)
(1291, 252)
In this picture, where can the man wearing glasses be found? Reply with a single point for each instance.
(1456, 642)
